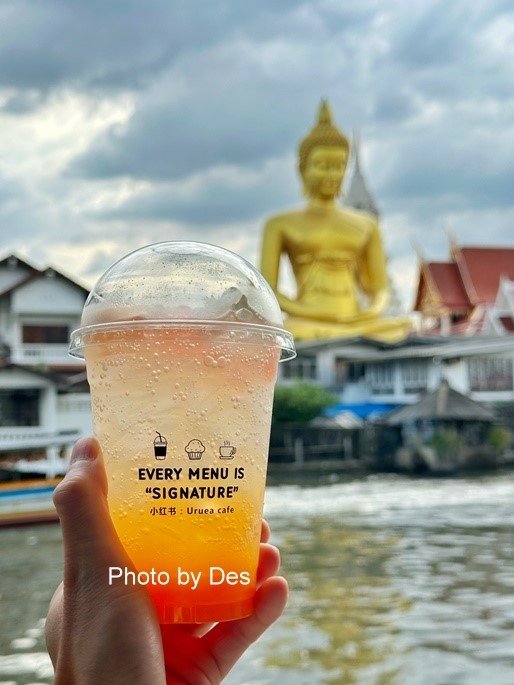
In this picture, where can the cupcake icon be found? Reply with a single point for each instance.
(160, 445)
(195, 449)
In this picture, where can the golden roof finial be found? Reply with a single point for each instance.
(452, 239)
(324, 113)
(325, 133)
(418, 250)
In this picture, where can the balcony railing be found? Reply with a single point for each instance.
(37, 353)
(33, 437)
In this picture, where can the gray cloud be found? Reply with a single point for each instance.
(431, 42)
(215, 201)
(246, 99)
(17, 211)
(234, 86)
(107, 45)
(464, 166)
(23, 102)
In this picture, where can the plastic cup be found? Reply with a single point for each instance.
(182, 342)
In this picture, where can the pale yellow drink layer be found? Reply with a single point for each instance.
(205, 399)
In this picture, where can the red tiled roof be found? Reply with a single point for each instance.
(446, 278)
(484, 266)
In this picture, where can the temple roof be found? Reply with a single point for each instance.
(471, 278)
(447, 280)
(484, 266)
(358, 195)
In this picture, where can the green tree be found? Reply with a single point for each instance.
(447, 441)
(300, 402)
(499, 438)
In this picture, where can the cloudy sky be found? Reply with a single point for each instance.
(125, 123)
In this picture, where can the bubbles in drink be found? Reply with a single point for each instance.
(210, 384)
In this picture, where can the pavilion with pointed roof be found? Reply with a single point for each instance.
(455, 296)
(441, 432)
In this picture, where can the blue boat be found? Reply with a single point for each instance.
(27, 502)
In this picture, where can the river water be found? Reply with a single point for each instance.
(393, 581)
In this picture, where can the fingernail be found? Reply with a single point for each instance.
(85, 449)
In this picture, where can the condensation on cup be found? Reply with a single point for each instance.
(182, 342)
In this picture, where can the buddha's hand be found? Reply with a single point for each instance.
(373, 311)
(378, 304)
(368, 314)
(343, 318)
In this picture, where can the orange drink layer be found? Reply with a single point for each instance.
(183, 418)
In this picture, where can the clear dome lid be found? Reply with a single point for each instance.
(183, 284)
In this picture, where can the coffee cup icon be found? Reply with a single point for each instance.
(160, 445)
(227, 451)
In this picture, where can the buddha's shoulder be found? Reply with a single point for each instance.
(292, 217)
(357, 219)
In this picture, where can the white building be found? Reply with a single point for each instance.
(364, 373)
(44, 397)
(44, 401)
(499, 318)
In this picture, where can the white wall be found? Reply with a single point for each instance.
(7, 332)
(325, 370)
(46, 295)
(11, 379)
(456, 373)
(48, 409)
(9, 276)
(355, 393)
(74, 413)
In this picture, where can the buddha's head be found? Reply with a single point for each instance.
(323, 156)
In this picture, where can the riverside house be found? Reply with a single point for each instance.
(371, 377)
(466, 307)
(44, 398)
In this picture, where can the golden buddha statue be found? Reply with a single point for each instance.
(336, 253)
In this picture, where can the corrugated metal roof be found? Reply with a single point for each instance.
(443, 403)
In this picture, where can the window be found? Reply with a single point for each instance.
(356, 371)
(414, 376)
(19, 408)
(347, 372)
(45, 334)
(340, 371)
(380, 378)
(300, 368)
(493, 373)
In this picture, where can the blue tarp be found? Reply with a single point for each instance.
(365, 410)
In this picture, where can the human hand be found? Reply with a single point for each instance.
(101, 634)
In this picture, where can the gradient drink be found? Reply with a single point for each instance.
(182, 342)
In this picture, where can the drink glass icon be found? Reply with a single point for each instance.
(165, 332)
(160, 445)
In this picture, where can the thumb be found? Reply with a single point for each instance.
(91, 544)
